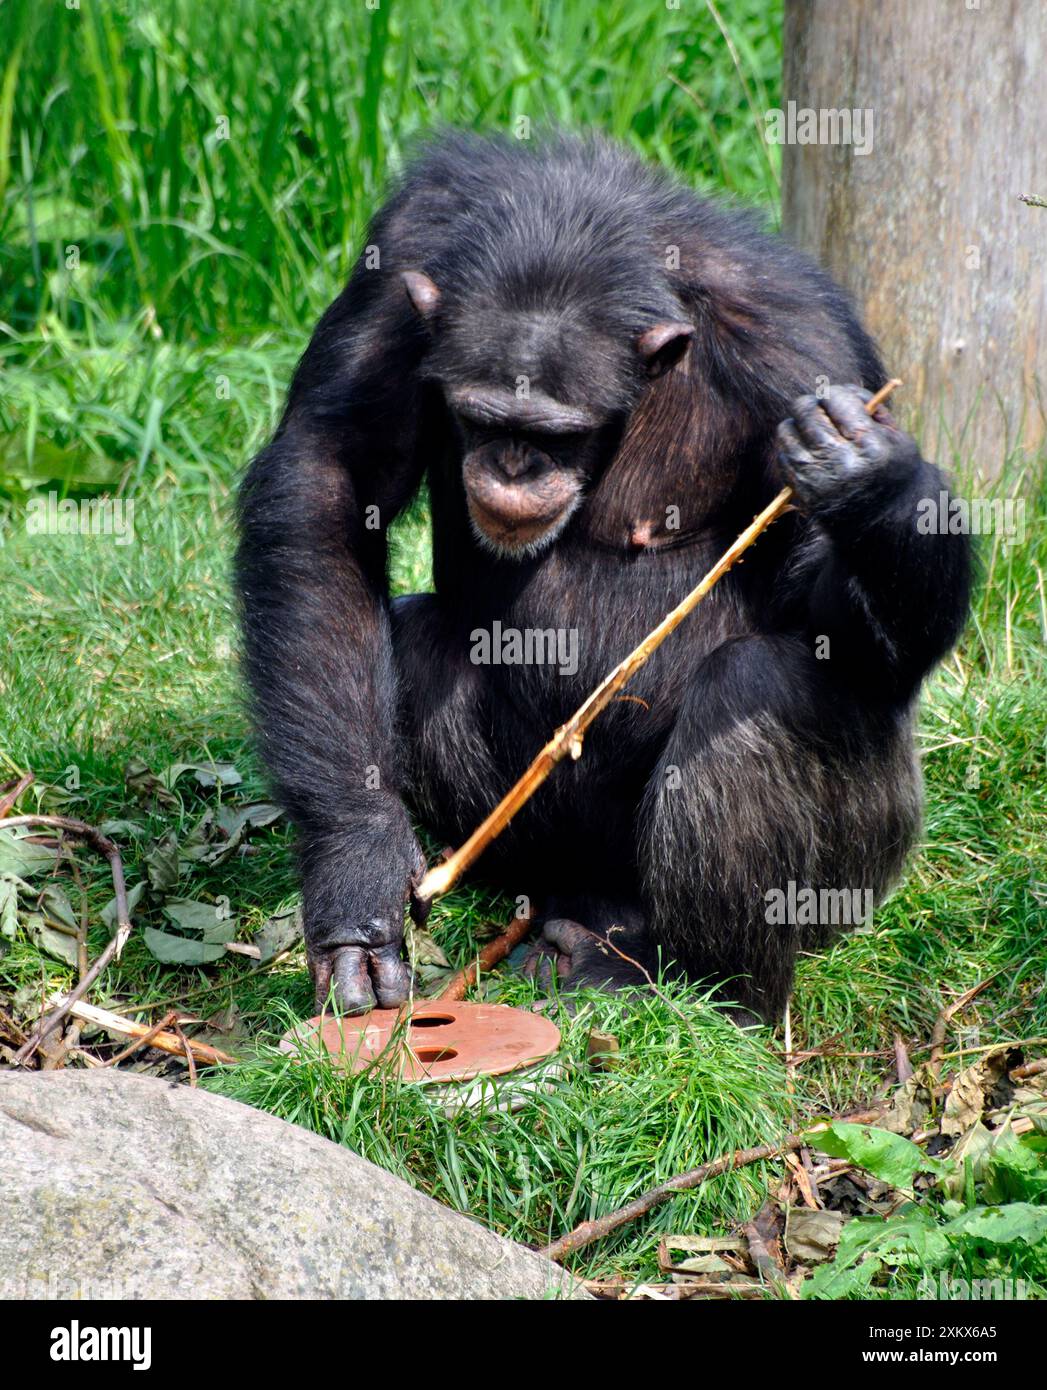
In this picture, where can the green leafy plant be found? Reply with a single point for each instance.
(1004, 1227)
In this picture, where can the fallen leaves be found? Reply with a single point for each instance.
(178, 927)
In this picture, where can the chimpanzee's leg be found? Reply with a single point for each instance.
(774, 781)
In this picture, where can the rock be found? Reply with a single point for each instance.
(116, 1185)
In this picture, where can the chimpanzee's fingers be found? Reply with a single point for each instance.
(543, 963)
(352, 983)
(320, 963)
(391, 976)
(550, 970)
(815, 428)
(790, 444)
(845, 407)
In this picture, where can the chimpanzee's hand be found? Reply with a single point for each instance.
(356, 886)
(841, 461)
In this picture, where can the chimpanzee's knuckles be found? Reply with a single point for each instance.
(809, 477)
(877, 440)
(355, 892)
(845, 407)
(816, 430)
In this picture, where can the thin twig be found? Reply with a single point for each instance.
(16, 789)
(187, 1045)
(832, 1056)
(215, 987)
(941, 1023)
(1029, 1069)
(589, 1231)
(142, 1041)
(1001, 1046)
(82, 961)
(103, 845)
(652, 986)
(568, 738)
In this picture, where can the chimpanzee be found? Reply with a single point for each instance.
(602, 377)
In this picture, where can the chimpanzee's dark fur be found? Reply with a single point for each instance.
(746, 756)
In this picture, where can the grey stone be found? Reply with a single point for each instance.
(115, 1185)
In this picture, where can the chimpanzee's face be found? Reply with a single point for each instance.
(538, 394)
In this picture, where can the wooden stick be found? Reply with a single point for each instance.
(568, 738)
(187, 1048)
(1029, 1069)
(165, 1041)
(105, 846)
(589, 1231)
(12, 791)
(141, 1041)
(494, 952)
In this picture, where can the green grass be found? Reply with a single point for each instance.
(218, 163)
(683, 1084)
(156, 365)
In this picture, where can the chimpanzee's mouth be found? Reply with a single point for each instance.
(516, 520)
(516, 536)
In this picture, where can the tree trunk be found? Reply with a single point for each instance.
(927, 229)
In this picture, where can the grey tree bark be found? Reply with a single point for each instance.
(926, 229)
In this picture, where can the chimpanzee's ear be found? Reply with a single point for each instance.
(422, 293)
(663, 345)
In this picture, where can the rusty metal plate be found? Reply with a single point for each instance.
(435, 1041)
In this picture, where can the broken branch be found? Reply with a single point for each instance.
(941, 1024)
(589, 1231)
(174, 1043)
(12, 791)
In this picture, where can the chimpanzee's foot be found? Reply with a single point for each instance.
(615, 954)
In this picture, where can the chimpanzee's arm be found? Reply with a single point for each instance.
(891, 598)
(311, 577)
